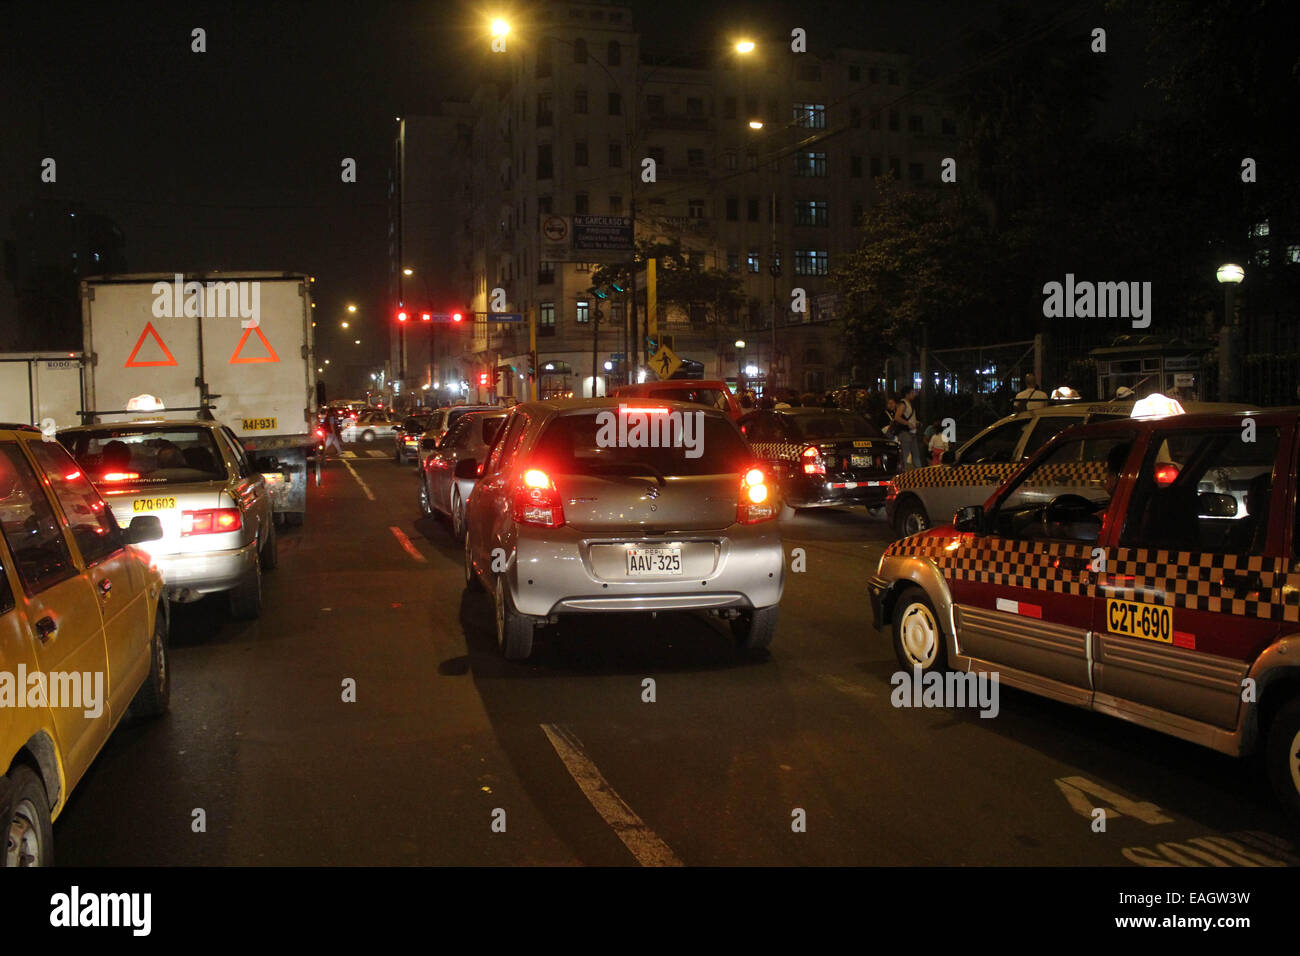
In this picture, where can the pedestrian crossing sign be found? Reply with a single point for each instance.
(665, 362)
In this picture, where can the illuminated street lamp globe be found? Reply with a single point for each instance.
(1230, 272)
(740, 343)
(745, 46)
(500, 28)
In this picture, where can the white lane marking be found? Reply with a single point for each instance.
(348, 454)
(405, 542)
(364, 487)
(376, 453)
(643, 843)
(845, 687)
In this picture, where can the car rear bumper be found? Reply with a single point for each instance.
(826, 492)
(189, 575)
(564, 571)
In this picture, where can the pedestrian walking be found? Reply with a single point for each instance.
(890, 427)
(333, 432)
(906, 429)
(937, 443)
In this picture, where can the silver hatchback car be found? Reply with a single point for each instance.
(633, 505)
(218, 533)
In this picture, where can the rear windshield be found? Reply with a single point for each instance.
(832, 425)
(582, 444)
(712, 397)
(152, 456)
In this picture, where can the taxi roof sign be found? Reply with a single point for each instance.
(1156, 405)
(145, 403)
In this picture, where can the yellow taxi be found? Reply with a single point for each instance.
(83, 634)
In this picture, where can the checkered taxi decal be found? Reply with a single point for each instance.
(1058, 475)
(1186, 579)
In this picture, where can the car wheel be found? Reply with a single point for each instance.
(271, 548)
(154, 696)
(29, 834)
(911, 518)
(368, 436)
(472, 583)
(754, 630)
(457, 515)
(919, 641)
(514, 631)
(426, 508)
(246, 598)
(1282, 755)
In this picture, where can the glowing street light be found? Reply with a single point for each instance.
(745, 46)
(408, 271)
(356, 342)
(343, 325)
(740, 343)
(500, 28)
(352, 308)
(755, 124)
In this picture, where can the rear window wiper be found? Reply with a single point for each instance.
(659, 475)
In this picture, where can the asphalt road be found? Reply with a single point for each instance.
(450, 755)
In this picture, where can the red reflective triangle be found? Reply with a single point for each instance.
(236, 359)
(149, 330)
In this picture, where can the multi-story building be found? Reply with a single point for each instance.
(762, 165)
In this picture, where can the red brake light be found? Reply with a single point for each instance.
(537, 502)
(813, 463)
(1166, 474)
(757, 503)
(210, 521)
(119, 476)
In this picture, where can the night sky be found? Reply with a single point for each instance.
(230, 159)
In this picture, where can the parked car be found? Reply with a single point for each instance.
(406, 434)
(711, 394)
(81, 604)
(824, 456)
(583, 521)
(449, 468)
(212, 501)
(1141, 568)
(444, 419)
(369, 427)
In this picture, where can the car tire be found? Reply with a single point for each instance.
(1282, 755)
(919, 640)
(754, 630)
(426, 508)
(29, 833)
(457, 515)
(246, 597)
(472, 582)
(271, 549)
(514, 630)
(911, 518)
(367, 436)
(154, 696)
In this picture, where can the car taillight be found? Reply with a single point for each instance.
(320, 433)
(813, 463)
(210, 521)
(536, 500)
(119, 476)
(757, 503)
(1166, 474)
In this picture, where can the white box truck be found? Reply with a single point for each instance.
(41, 388)
(235, 347)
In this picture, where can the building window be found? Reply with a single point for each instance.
(546, 318)
(654, 105)
(695, 208)
(733, 261)
(893, 121)
(580, 102)
(544, 161)
(751, 161)
(873, 121)
(729, 159)
(615, 154)
(895, 167)
(694, 107)
(545, 273)
(543, 62)
(857, 214)
(809, 71)
(616, 205)
(657, 154)
(811, 212)
(855, 166)
(615, 104)
(751, 107)
(751, 261)
(873, 74)
(580, 50)
(583, 315)
(545, 115)
(580, 153)
(811, 262)
(810, 164)
(877, 166)
(915, 124)
(751, 210)
(893, 77)
(855, 73)
(855, 117)
(543, 206)
(614, 53)
(580, 204)
(915, 172)
(948, 126)
(695, 157)
(729, 108)
(733, 208)
(811, 115)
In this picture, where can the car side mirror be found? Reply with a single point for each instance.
(970, 518)
(428, 444)
(949, 457)
(1209, 504)
(467, 468)
(143, 528)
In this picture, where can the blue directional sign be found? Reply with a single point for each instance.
(505, 316)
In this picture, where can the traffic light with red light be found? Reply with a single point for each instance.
(482, 379)
(401, 315)
(426, 316)
(457, 317)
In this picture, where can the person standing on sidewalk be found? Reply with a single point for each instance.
(905, 430)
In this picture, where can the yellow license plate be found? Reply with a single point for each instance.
(258, 424)
(1153, 622)
(152, 504)
(862, 444)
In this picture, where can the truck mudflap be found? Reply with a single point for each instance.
(286, 485)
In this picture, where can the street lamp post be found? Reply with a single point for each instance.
(1230, 276)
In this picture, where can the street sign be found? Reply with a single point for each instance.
(665, 362)
(505, 316)
(602, 234)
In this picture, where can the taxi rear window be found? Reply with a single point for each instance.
(146, 456)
